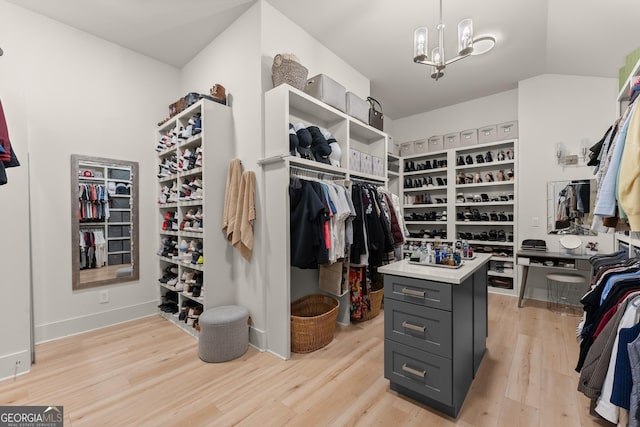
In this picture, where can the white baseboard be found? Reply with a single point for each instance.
(77, 325)
(258, 338)
(14, 364)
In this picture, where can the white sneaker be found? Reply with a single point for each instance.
(196, 183)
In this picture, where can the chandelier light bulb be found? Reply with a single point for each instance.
(465, 37)
(420, 44)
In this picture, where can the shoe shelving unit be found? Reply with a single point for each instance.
(283, 105)
(434, 213)
(117, 227)
(425, 198)
(193, 160)
(485, 208)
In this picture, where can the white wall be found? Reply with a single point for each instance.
(14, 250)
(556, 108)
(233, 60)
(80, 95)
(499, 108)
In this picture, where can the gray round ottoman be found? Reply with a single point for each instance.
(224, 333)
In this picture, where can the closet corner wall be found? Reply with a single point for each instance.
(283, 105)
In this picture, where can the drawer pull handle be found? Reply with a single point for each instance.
(413, 293)
(413, 327)
(412, 371)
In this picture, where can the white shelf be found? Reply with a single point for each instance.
(502, 258)
(439, 154)
(217, 133)
(431, 188)
(486, 184)
(432, 205)
(487, 165)
(393, 173)
(489, 145)
(426, 171)
(425, 239)
(509, 203)
(489, 243)
(425, 222)
(490, 223)
(497, 274)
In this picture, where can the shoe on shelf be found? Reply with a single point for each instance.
(218, 93)
(468, 160)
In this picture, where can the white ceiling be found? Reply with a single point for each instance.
(581, 37)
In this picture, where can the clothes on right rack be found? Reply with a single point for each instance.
(608, 331)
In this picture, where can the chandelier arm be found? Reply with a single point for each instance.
(425, 62)
(455, 59)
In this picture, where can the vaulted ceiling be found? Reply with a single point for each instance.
(580, 37)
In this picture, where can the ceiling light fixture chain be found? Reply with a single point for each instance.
(467, 45)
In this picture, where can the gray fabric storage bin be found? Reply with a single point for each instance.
(120, 174)
(115, 245)
(115, 231)
(357, 107)
(115, 259)
(328, 91)
(119, 202)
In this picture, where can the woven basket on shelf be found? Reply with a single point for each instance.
(313, 322)
(287, 69)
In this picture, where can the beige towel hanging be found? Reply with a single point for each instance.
(245, 215)
(231, 197)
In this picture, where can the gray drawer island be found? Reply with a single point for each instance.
(435, 330)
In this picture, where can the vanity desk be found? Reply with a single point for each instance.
(435, 330)
(554, 261)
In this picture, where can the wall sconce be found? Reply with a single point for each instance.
(559, 152)
(562, 157)
(584, 149)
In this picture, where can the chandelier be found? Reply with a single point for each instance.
(467, 45)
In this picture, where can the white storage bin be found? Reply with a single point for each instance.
(354, 160)
(378, 166)
(507, 130)
(327, 90)
(451, 140)
(468, 137)
(406, 149)
(420, 146)
(357, 107)
(435, 143)
(487, 134)
(366, 163)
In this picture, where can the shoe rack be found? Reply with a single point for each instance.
(467, 193)
(425, 198)
(194, 270)
(485, 206)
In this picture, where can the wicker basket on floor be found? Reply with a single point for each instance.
(313, 322)
(375, 297)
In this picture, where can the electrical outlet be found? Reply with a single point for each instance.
(104, 297)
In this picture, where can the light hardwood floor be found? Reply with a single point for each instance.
(147, 373)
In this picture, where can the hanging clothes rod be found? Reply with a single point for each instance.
(381, 181)
(299, 171)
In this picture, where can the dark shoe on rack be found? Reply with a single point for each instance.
(501, 156)
(484, 197)
(488, 158)
(427, 164)
(468, 159)
(460, 161)
(479, 158)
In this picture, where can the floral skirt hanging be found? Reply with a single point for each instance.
(359, 292)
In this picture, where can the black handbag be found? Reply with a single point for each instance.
(375, 114)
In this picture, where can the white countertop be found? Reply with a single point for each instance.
(437, 274)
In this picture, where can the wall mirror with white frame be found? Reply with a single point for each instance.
(104, 221)
(570, 206)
